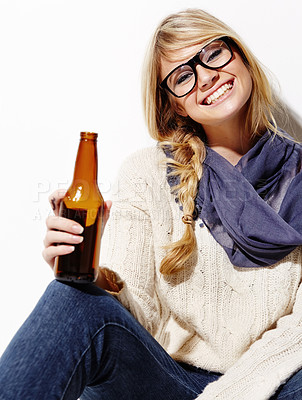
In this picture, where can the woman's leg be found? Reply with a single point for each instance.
(292, 389)
(79, 338)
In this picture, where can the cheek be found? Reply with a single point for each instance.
(244, 77)
(247, 87)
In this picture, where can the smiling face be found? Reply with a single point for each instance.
(219, 96)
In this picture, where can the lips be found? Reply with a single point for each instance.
(218, 93)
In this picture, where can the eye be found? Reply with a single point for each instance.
(183, 78)
(214, 54)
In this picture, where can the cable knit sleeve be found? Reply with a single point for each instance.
(127, 246)
(268, 363)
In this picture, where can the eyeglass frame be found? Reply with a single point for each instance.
(197, 61)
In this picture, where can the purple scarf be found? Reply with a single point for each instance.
(253, 209)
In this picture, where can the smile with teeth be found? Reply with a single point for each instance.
(218, 93)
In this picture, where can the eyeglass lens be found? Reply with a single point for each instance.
(214, 55)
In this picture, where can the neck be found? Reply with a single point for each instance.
(229, 139)
(86, 162)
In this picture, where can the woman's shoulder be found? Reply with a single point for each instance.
(140, 172)
(146, 155)
(145, 161)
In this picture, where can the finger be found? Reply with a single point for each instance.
(106, 213)
(50, 253)
(57, 237)
(63, 224)
(55, 200)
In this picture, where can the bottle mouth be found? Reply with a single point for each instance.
(89, 135)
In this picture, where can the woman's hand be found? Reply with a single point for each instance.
(63, 230)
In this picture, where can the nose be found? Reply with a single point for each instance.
(206, 78)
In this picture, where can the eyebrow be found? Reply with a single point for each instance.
(178, 63)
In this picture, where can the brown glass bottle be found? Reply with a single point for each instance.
(83, 203)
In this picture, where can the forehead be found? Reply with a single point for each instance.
(177, 57)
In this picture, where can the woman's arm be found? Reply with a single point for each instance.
(127, 260)
(268, 363)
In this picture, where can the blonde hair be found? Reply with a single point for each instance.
(182, 134)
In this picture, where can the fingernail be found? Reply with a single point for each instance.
(77, 229)
(77, 239)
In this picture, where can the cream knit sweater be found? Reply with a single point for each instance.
(243, 322)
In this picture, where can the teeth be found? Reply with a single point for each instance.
(218, 93)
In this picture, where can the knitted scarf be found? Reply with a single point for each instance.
(253, 209)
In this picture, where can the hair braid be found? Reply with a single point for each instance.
(188, 155)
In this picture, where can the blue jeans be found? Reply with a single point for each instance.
(79, 341)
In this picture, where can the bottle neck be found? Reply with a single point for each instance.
(86, 166)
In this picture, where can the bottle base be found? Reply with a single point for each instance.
(76, 278)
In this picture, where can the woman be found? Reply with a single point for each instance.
(202, 246)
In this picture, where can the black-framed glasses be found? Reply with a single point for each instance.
(182, 79)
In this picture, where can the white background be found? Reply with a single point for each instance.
(68, 66)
